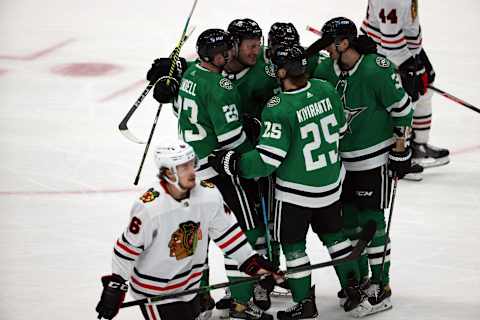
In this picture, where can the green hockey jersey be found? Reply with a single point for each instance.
(374, 102)
(256, 85)
(299, 140)
(208, 115)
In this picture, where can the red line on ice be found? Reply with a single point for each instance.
(122, 91)
(65, 192)
(37, 54)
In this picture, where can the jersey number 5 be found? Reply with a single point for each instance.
(313, 128)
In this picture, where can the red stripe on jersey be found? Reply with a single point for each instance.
(170, 287)
(235, 237)
(152, 314)
(422, 122)
(402, 39)
(127, 249)
(365, 23)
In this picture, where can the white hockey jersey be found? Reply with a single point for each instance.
(395, 27)
(164, 248)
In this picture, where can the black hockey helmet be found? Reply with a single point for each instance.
(213, 41)
(339, 28)
(291, 58)
(245, 28)
(282, 33)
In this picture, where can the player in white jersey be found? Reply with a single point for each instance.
(395, 27)
(164, 248)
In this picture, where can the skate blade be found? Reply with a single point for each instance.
(382, 306)
(435, 163)
(205, 315)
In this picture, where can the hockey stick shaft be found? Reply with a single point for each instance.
(387, 235)
(174, 58)
(137, 178)
(455, 99)
(267, 230)
(365, 238)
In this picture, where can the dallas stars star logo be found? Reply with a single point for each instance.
(351, 114)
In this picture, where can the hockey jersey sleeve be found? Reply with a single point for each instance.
(223, 109)
(134, 240)
(273, 145)
(393, 25)
(227, 235)
(391, 94)
(324, 69)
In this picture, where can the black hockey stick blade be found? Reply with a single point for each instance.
(365, 236)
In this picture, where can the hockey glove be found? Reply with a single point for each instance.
(408, 74)
(252, 127)
(161, 68)
(256, 265)
(225, 162)
(114, 289)
(428, 66)
(399, 162)
(166, 89)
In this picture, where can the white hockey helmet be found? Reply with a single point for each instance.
(171, 153)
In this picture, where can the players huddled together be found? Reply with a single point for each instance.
(275, 138)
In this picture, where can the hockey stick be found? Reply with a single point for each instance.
(365, 237)
(174, 58)
(453, 98)
(267, 230)
(387, 235)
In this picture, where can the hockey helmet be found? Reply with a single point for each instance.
(282, 33)
(245, 28)
(213, 41)
(171, 153)
(291, 58)
(337, 29)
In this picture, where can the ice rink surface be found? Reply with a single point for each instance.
(70, 70)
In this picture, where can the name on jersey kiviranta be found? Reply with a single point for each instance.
(188, 87)
(314, 109)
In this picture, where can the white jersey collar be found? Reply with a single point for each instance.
(298, 90)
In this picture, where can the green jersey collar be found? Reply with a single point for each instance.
(350, 72)
(299, 90)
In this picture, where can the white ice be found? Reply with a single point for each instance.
(66, 174)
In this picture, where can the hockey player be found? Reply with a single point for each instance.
(164, 248)
(209, 112)
(299, 141)
(395, 27)
(379, 115)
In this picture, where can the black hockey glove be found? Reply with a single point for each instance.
(166, 87)
(256, 265)
(225, 162)
(408, 74)
(252, 127)
(161, 68)
(426, 72)
(399, 162)
(114, 289)
(364, 45)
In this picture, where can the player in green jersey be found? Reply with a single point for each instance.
(299, 141)
(379, 115)
(209, 119)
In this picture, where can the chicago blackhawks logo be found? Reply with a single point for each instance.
(149, 196)
(226, 84)
(183, 241)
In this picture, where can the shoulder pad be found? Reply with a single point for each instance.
(382, 62)
(275, 100)
(149, 196)
(226, 84)
(207, 184)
